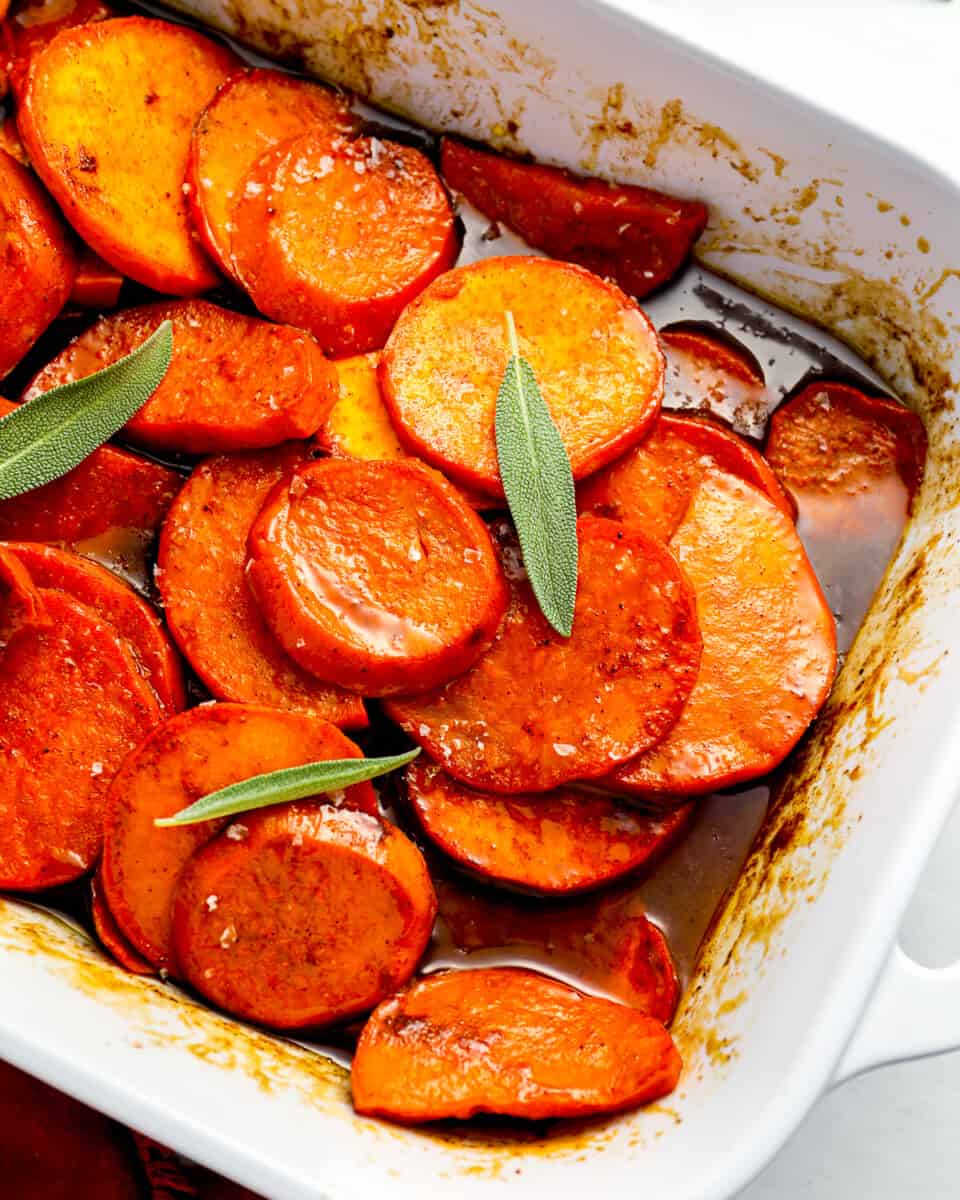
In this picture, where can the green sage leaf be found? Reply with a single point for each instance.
(538, 483)
(55, 431)
(280, 787)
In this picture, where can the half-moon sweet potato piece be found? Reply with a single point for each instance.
(186, 758)
(315, 915)
(507, 1041)
(377, 575)
(539, 710)
(209, 608)
(595, 355)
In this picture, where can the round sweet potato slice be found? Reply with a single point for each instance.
(234, 383)
(73, 704)
(337, 236)
(595, 355)
(250, 113)
(769, 645)
(113, 600)
(187, 757)
(555, 843)
(377, 575)
(211, 612)
(539, 710)
(37, 266)
(508, 1041)
(316, 915)
(106, 116)
(654, 481)
(110, 935)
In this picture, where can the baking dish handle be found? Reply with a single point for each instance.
(914, 1013)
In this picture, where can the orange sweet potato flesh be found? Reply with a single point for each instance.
(187, 757)
(110, 935)
(539, 710)
(73, 704)
(634, 235)
(31, 24)
(556, 843)
(655, 480)
(209, 608)
(605, 943)
(97, 285)
(378, 575)
(129, 616)
(234, 383)
(316, 915)
(714, 375)
(37, 266)
(502, 1040)
(337, 236)
(769, 645)
(106, 116)
(10, 141)
(250, 113)
(595, 355)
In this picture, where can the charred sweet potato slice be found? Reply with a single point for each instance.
(106, 115)
(37, 263)
(209, 608)
(337, 236)
(250, 113)
(594, 353)
(556, 842)
(376, 574)
(635, 235)
(234, 383)
(186, 758)
(539, 710)
(315, 915)
(501, 1040)
(110, 936)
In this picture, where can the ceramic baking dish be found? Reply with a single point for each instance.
(831, 223)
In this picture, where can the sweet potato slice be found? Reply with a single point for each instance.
(654, 481)
(595, 355)
(110, 935)
(316, 915)
(31, 24)
(539, 710)
(337, 236)
(377, 575)
(250, 113)
(73, 704)
(37, 265)
(709, 374)
(113, 600)
(187, 757)
(106, 115)
(556, 842)
(605, 943)
(769, 645)
(97, 285)
(10, 141)
(508, 1041)
(358, 425)
(637, 236)
(234, 383)
(210, 610)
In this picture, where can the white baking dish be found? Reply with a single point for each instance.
(825, 220)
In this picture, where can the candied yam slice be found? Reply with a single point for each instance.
(769, 645)
(250, 114)
(209, 609)
(595, 355)
(316, 915)
(358, 425)
(635, 235)
(73, 704)
(115, 601)
(234, 382)
(539, 710)
(378, 575)
(110, 935)
(507, 1041)
(106, 115)
(186, 758)
(654, 481)
(37, 265)
(337, 236)
(556, 842)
